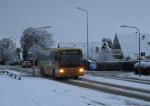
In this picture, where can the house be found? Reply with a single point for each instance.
(126, 46)
(117, 49)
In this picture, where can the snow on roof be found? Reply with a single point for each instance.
(130, 44)
(144, 64)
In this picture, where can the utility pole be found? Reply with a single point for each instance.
(87, 29)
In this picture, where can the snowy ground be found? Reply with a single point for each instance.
(135, 76)
(118, 82)
(34, 91)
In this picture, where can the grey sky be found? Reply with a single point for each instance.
(68, 23)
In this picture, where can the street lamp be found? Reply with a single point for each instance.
(87, 30)
(43, 27)
(138, 30)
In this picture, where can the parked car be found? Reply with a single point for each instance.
(12, 62)
(144, 68)
(26, 64)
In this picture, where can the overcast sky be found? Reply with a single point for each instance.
(68, 23)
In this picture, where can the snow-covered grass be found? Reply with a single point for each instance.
(135, 76)
(34, 91)
(118, 82)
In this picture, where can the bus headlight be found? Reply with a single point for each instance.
(81, 70)
(61, 70)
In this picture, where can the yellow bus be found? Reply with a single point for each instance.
(62, 62)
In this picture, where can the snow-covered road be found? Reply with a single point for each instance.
(33, 91)
(118, 82)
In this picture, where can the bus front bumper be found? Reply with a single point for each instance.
(70, 72)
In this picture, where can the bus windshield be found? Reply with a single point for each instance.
(70, 58)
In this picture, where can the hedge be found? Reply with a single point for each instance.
(117, 66)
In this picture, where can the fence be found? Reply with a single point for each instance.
(13, 75)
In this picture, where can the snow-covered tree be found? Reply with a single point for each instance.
(39, 37)
(7, 49)
(105, 53)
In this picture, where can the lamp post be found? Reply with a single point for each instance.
(87, 30)
(138, 30)
(43, 27)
